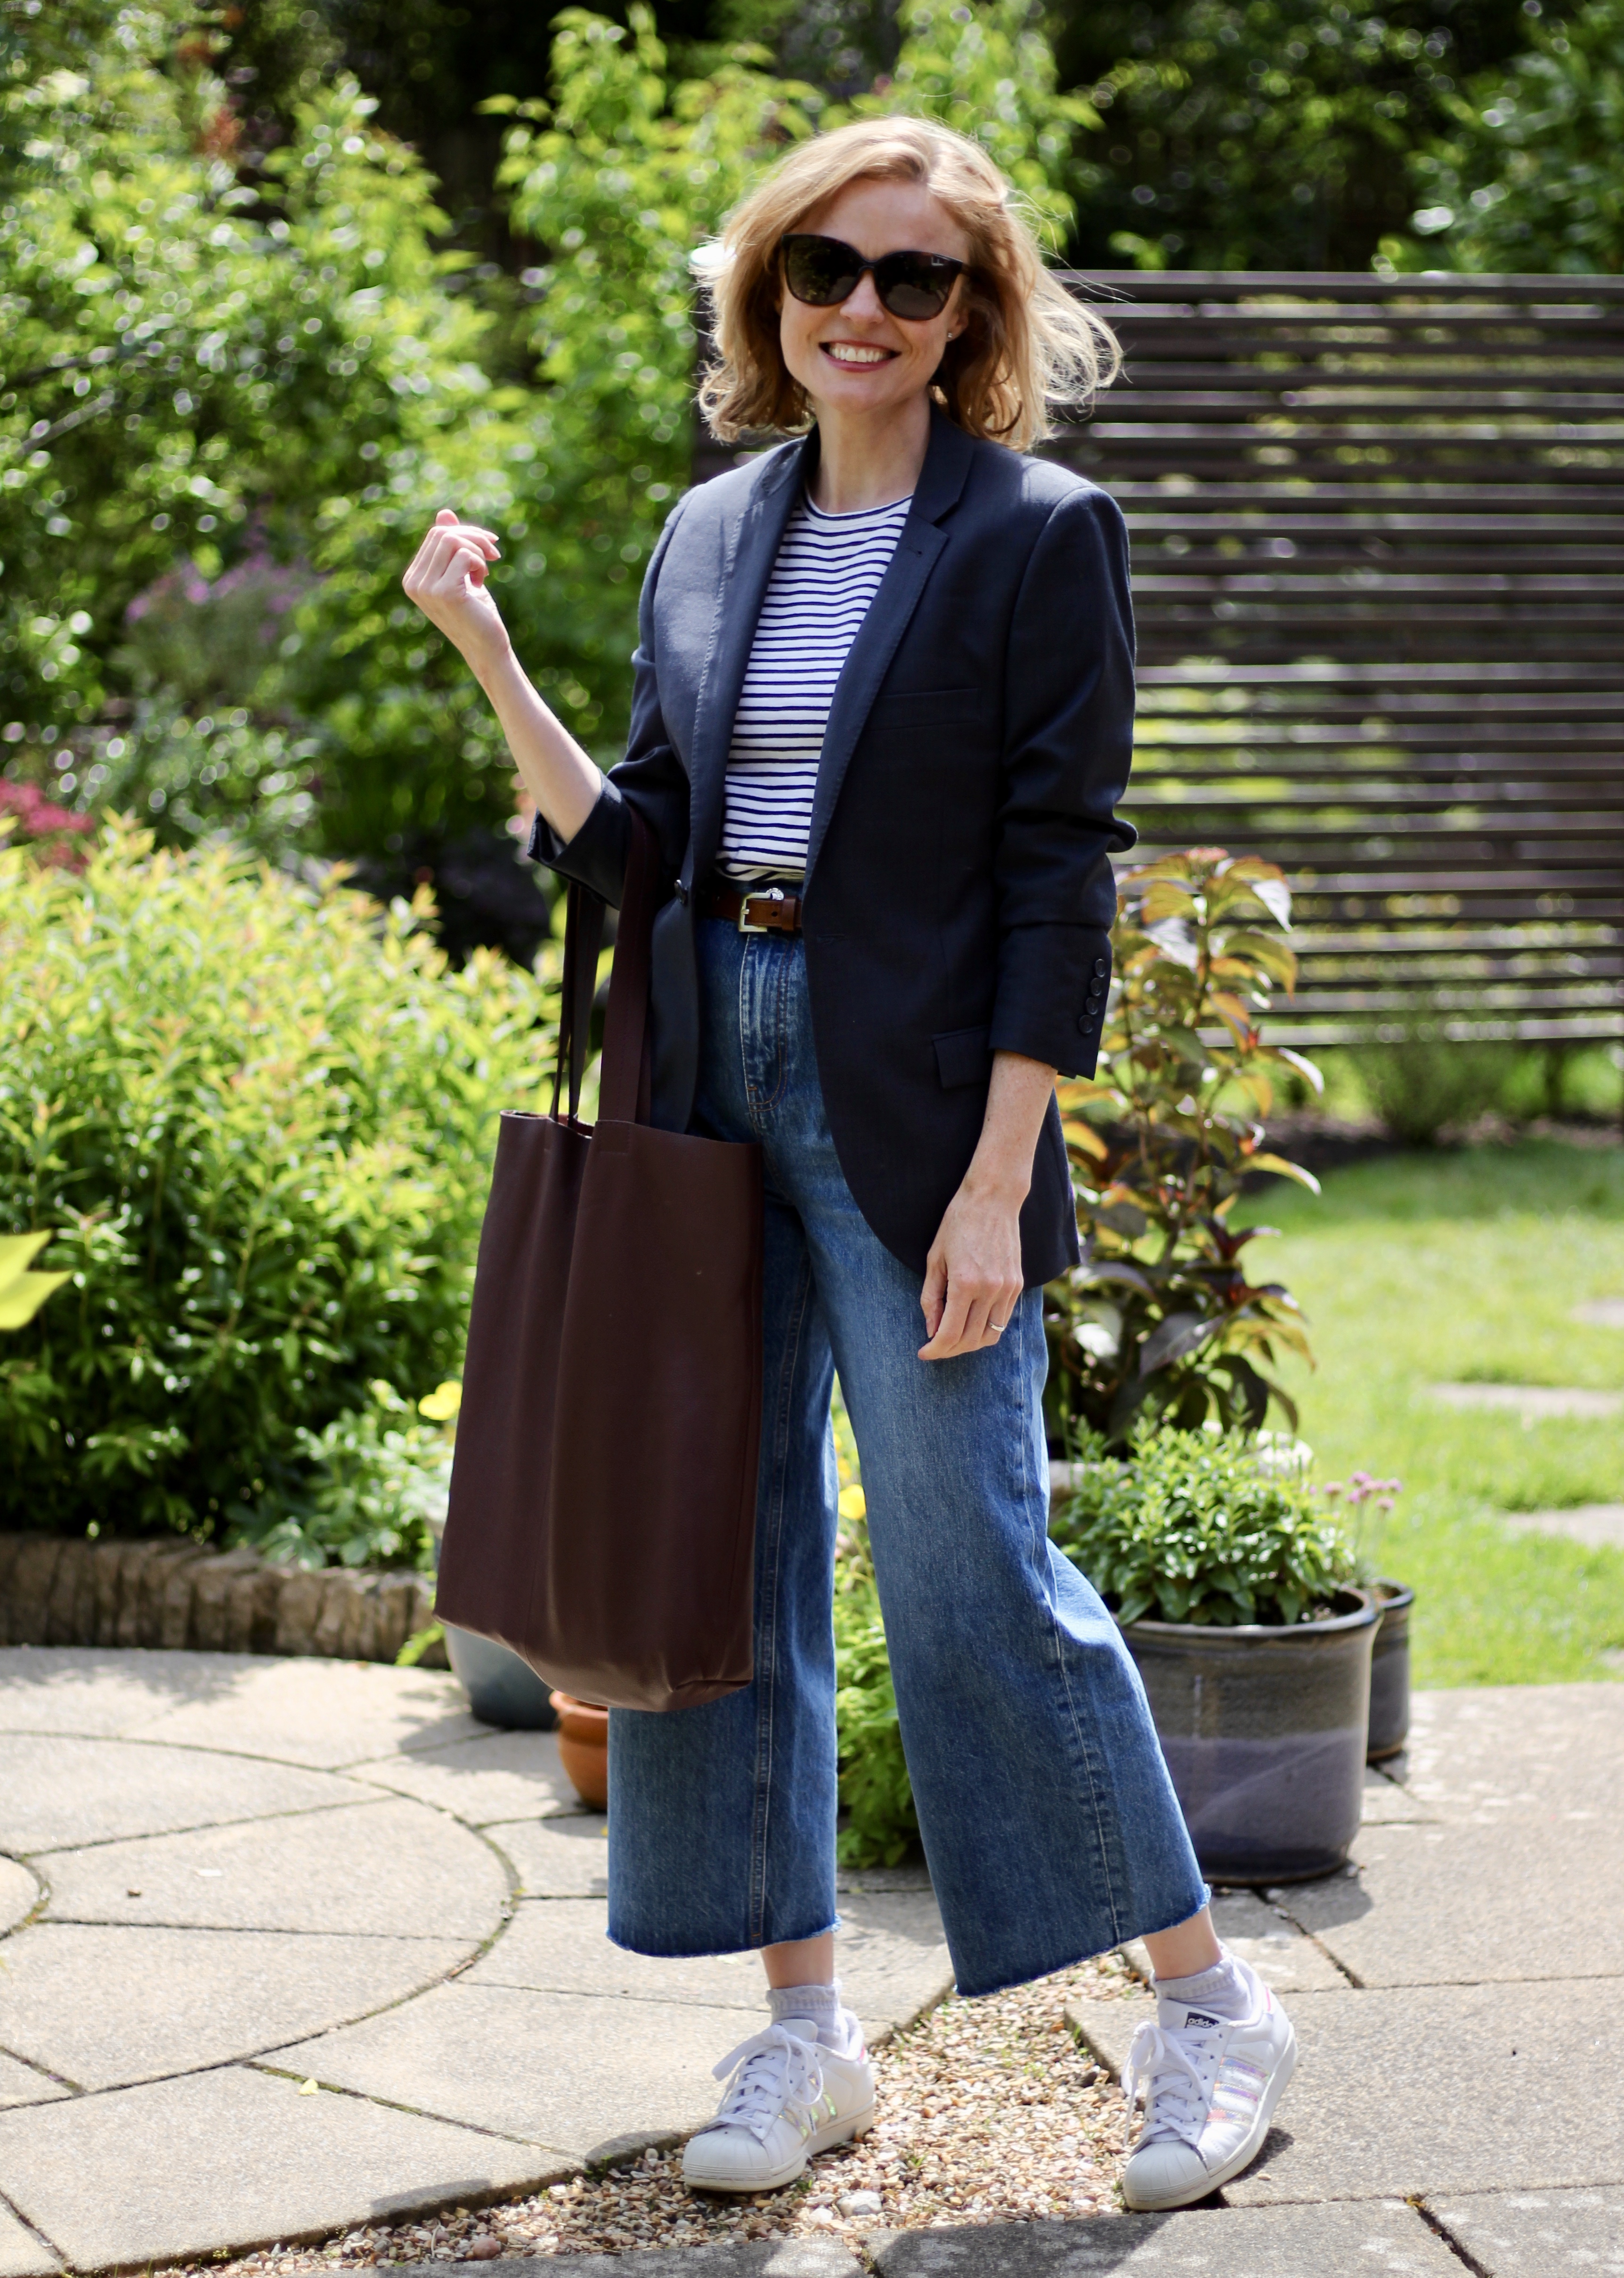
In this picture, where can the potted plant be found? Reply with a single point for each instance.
(1161, 1317)
(583, 1747)
(1234, 1584)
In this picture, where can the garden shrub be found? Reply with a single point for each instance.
(256, 1116)
(1422, 1084)
(1160, 1318)
(1196, 1526)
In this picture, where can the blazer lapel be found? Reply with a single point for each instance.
(941, 481)
(750, 548)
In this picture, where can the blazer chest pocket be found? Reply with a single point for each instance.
(908, 708)
(963, 1056)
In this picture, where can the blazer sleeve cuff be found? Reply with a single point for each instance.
(596, 856)
(1052, 991)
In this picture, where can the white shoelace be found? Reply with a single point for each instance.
(1162, 2069)
(771, 2072)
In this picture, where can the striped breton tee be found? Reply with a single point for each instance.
(827, 573)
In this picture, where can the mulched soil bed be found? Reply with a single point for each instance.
(988, 2111)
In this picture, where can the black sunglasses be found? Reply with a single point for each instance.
(822, 272)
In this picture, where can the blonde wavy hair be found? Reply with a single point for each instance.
(1027, 346)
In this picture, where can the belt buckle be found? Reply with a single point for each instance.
(767, 894)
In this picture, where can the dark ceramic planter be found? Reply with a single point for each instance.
(1390, 1672)
(502, 1689)
(1264, 1730)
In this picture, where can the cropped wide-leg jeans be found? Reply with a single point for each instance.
(1048, 1820)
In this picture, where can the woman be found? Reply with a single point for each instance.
(882, 713)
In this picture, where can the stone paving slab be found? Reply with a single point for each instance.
(60, 1790)
(1489, 1752)
(1387, 1802)
(1447, 2089)
(560, 1945)
(322, 1713)
(25, 2083)
(95, 1689)
(1598, 1524)
(768, 2258)
(387, 1867)
(1366, 2241)
(560, 1858)
(499, 1776)
(23, 2255)
(1536, 2233)
(1107, 2026)
(237, 2159)
(891, 1958)
(1262, 1934)
(584, 2074)
(890, 1954)
(103, 2006)
(1440, 1906)
(20, 1894)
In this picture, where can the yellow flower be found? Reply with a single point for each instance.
(853, 1504)
(441, 1405)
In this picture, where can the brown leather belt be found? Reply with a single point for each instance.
(768, 909)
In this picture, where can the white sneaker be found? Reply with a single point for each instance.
(1210, 2087)
(787, 2098)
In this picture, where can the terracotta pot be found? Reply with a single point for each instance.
(583, 1746)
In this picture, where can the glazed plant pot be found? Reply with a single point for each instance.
(1390, 1672)
(583, 1747)
(502, 1689)
(1264, 1730)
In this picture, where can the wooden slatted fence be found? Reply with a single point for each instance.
(1378, 537)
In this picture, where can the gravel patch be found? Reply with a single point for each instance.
(987, 2111)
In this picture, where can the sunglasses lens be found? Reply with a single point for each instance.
(819, 271)
(914, 285)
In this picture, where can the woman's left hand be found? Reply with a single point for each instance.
(973, 1277)
(973, 1281)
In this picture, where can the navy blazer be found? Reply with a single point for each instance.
(958, 894)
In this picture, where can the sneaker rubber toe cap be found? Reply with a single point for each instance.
(727, 2160)
(1165, 2176)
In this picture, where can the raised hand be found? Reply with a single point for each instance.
(446, 581)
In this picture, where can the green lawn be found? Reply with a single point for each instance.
(1457, 1267)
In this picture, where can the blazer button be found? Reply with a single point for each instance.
(1100, 968)
(1092, 1005)
(1085, 1022)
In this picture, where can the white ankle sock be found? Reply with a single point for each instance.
(820, 2003)
(1226, 1989)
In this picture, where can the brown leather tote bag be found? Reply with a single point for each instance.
(602, 1513)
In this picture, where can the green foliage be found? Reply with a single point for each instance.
(375, 1487)
(1422, 1084)
(1195, 1527)
(22, 1293)
(881, 1823)
(269, 380)
(1160, 1318)
(1529, 178)
(621, 175)
(1265, 133)
(258, 1116)
(989, 71)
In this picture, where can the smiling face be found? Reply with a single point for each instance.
(858, 361)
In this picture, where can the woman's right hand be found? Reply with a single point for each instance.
(446, 581)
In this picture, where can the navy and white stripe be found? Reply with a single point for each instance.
(828, 570)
